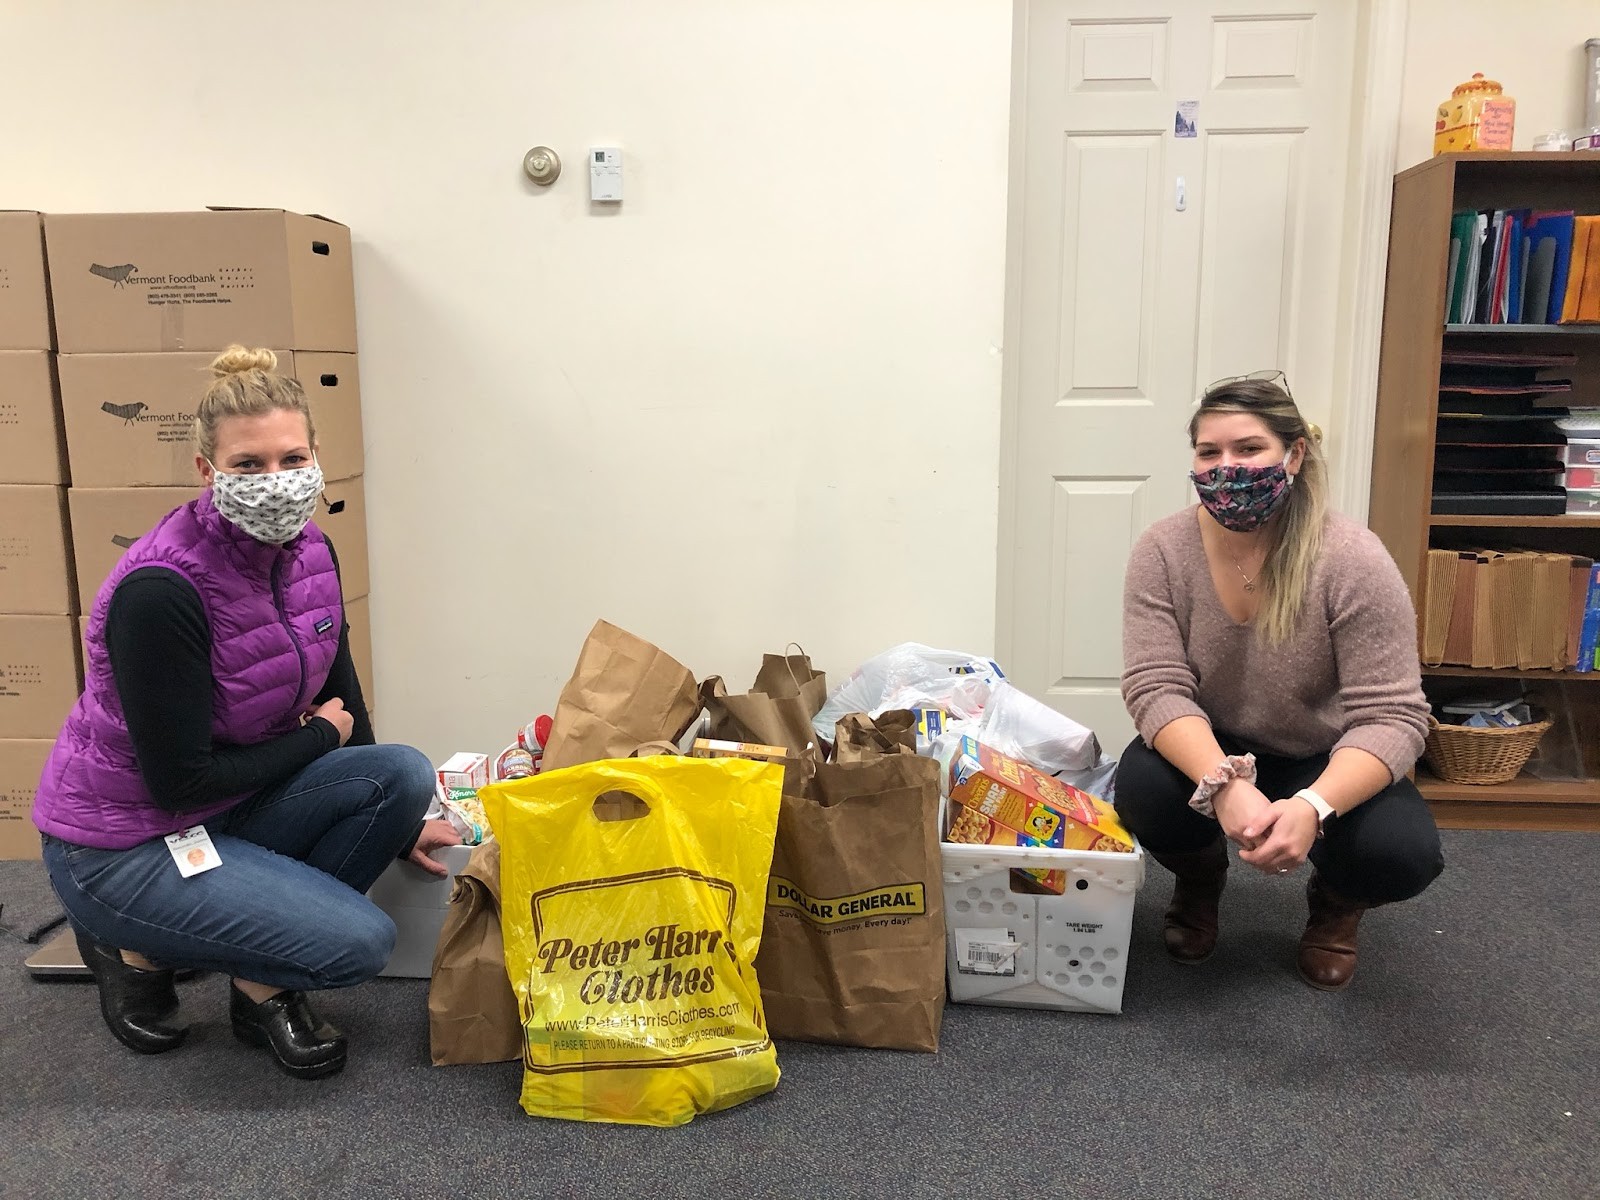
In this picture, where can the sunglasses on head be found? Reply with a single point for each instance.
(1271, 375)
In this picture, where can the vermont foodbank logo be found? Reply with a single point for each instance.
(126, 273)
(650, 968)
(138, 413)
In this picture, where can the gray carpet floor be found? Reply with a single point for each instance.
(1461, 1063)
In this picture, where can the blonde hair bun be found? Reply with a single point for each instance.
(236, 360)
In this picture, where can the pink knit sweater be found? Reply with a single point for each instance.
(1347, 677)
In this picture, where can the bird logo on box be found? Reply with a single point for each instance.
(128, 412)
(117, 275)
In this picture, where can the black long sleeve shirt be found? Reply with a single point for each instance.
(159, 642)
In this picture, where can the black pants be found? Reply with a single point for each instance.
(1385, 850)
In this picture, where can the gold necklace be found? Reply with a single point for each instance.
(1249, 583)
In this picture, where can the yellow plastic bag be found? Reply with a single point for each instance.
(631, 928)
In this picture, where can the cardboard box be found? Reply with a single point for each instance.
(39, 674)
(416, 902)
(24, 297)
(30, 419)
(347, 530)
(130, 417)
(200, 281)
(1031, 803)
(21, 764)
(35, 551)
(106, 521)
(357, 617)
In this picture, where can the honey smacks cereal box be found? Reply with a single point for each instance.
(996, 800)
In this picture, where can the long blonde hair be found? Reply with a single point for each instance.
(1296, 533)
(246, 384)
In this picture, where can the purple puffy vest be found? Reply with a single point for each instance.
(275, 615)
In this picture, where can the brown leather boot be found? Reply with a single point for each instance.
(1191, 927)
(1328, 946)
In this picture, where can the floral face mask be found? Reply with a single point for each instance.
(1242, 497)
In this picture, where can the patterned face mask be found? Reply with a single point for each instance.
(272, 507)
(1242, 497)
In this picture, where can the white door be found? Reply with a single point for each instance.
(1145, 266)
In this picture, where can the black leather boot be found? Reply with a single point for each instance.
(140, 1007)
(303, 1044)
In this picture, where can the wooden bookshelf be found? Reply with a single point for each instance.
(1414, 338)
(1512, 673)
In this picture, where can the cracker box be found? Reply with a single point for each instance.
(716, 748)
(1028, 802)
(464, 771)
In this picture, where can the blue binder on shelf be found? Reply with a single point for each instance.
(1558, 227)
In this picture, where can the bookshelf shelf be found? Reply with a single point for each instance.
(1524, 789)
(1568, 521)
(1534, 330)
(1513, 673)
(1415, 337)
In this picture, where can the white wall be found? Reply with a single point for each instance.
(1535, 50)
(757, 403)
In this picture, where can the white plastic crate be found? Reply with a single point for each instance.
(1014, 948)
(416, 902)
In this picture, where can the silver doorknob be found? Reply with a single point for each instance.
(543, 165)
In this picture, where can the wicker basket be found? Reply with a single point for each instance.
(1464, 754)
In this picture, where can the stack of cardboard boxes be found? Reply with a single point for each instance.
(39, 664)
(141, 303)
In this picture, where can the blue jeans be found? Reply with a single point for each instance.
(286, 908)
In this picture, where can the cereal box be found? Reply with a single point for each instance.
(1028, 802)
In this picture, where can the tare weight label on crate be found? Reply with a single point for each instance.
(986, 952)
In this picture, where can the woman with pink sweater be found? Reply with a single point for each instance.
(1270, 667)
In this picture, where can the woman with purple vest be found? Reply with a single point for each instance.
(215, 800)
(1270, 666)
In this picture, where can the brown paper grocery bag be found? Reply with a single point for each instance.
(859, 737)
(472, 1012)
(777, 710)
(853, 947)
(624, 692)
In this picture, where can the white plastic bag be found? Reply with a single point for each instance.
(912, 675)
(1017, 725)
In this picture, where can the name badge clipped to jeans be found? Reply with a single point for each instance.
(193, 851)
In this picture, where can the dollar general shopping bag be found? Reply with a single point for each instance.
(854, 947)
(632, 894)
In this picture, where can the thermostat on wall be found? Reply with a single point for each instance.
(605, 174)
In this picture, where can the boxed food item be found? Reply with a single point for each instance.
(24, 301)
(40, 675)
(130, 417)
(30, 417)
(1030, 803)
(464, 770)
(21, 764)
(35, 571)
(123, 282)
(717, 748)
